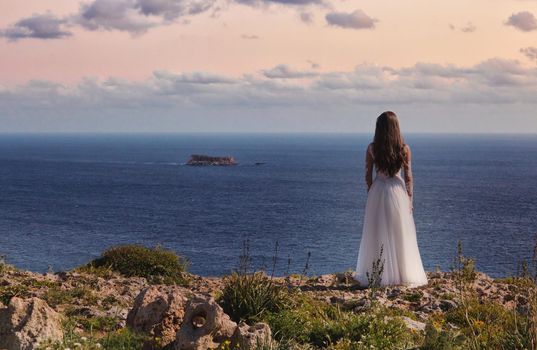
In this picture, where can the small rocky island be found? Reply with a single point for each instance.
(200, 159)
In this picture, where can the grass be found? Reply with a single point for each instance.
(248, 297)
(121, 339)
(57, 296)
(413, 297)
(320, 325)
(14, 290)
(157, 265)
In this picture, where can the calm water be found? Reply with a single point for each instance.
(65, 198)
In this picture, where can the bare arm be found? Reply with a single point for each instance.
(407, 169)
(369, 166)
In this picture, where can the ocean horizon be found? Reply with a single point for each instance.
(66, 197)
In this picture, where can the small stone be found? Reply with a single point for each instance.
(413, 324)
(446, 305)
(393, 293)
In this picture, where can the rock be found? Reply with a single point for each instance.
(430, 307)
(26, 323)
(446, 305)
(159, 311)
(393, 293)
(362, 305)
(522, 300)
(326, 280)
(337, 299)
(413, 324)
(205, 325)
(251, 337)
(199, 159)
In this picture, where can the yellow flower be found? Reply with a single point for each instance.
(479, 324)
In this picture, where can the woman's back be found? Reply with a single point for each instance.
(389, 233)
(406, 166)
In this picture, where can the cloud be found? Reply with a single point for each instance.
(249, 36)
(314, 65)
(353, 20)
(283, 71)
(530, 53)
(119, 15)
(306, 17)
(524, 21)
(136, 16)
(194, 78)
(172, 9)
(43, 26)
(467, 28)
(298, 3)
(201, 100)
(133, 16)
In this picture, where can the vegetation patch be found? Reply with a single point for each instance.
(14, 290)
(157, 265)
(81, 295)
(121, 339)
(321, 325)
(248, 297)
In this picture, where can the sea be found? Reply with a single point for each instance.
(295, 201)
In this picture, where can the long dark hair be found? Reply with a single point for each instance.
(388, 144)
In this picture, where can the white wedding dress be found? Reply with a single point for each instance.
(389, 223)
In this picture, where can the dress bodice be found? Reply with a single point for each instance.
(406, 168)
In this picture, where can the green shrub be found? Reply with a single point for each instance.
(413, 297)
(438, 338)
(157, 265)
(323, 325)
(485, 324)
(247, 297)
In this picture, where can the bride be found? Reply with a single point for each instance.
(389, 233)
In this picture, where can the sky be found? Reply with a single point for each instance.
(267, 65)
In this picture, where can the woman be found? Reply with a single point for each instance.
(389, 241)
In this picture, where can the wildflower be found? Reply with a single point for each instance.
(98, 345)
(83, 338)
(479, 324)
(437, 325)
(77, 345)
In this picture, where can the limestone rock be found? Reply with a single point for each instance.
(413, 324)
(447, 305)
(205, 325)
(26, 323)
(159, 311)
(251, 337)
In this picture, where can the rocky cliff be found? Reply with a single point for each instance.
(189, 317)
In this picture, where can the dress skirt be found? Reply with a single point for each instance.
(389, 224)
